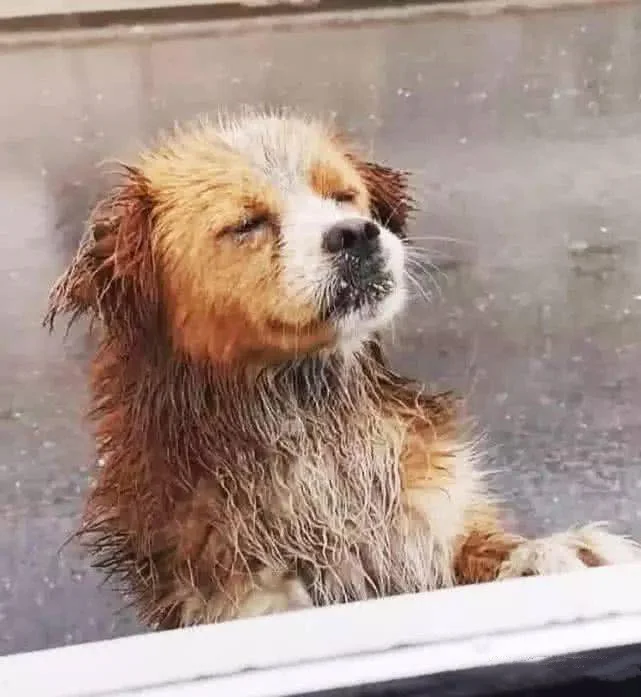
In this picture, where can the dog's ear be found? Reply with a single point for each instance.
(390, 201)
(113, 276)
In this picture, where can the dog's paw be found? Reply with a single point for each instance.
(274, 593)
(266, 593)
(584, 547)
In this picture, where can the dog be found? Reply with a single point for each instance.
(258, 454)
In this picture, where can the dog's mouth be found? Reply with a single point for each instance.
(364, 292)
(358, 291)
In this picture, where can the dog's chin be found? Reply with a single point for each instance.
(370, 314)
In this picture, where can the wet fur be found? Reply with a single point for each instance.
(245, 481)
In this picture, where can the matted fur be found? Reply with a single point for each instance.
(252, 463)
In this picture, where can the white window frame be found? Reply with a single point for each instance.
(390, 639)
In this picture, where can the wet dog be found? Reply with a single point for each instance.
(258, 453)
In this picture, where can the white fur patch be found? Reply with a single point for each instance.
(270, 592)
(440, 512)
(560, 553)
(307, 269)
(274, 593)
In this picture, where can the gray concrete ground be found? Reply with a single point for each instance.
(524, 132)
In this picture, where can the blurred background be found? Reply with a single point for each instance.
(523, 131)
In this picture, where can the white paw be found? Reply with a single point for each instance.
(266, 593)
(274, 593)
(588, 546)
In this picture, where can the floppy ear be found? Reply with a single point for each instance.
(390, 201)
(112, 275)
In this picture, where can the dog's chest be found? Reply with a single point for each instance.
(338, 504)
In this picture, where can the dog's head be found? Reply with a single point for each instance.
(261, 239)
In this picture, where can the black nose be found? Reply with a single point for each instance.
(357, 234)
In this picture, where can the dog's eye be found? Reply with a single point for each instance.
(249, 224)
(347, 196)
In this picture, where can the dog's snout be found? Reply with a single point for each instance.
(356, 235)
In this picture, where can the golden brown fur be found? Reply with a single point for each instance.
(251, 464)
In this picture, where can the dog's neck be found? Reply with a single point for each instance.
(173, 402)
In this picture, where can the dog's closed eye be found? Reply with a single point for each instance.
(248, 225)
(345, 196)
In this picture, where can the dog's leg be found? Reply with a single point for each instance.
(487, 555)
(274, 593)
(266, 593)
(587, 546)
(482, 553)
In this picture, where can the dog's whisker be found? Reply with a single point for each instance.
(435, 238)
(423, 292)
(432, 271)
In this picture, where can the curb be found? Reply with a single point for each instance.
(49, 15)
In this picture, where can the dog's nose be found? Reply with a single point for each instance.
(357, 235)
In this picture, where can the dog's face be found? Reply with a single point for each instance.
(262, 239)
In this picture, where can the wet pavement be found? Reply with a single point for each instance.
(524, 134)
